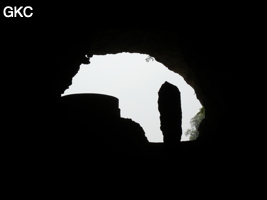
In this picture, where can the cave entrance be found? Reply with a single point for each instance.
(135, 80)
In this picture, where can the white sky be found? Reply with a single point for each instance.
(135, 83)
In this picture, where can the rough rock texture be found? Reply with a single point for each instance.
(169, 105)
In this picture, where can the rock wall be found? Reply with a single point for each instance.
(42, 54)
(173, 48)
(91, 126)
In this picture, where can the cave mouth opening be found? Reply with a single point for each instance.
(135, 80)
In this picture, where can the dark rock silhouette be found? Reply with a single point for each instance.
(92, 121)
(42, 54)
(91, 105)
(169, 105)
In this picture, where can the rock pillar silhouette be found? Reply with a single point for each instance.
(169, 105)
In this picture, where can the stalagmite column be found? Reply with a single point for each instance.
(169, 105)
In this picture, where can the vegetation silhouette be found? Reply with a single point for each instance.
(195, 122)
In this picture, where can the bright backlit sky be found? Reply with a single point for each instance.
(135, 83)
